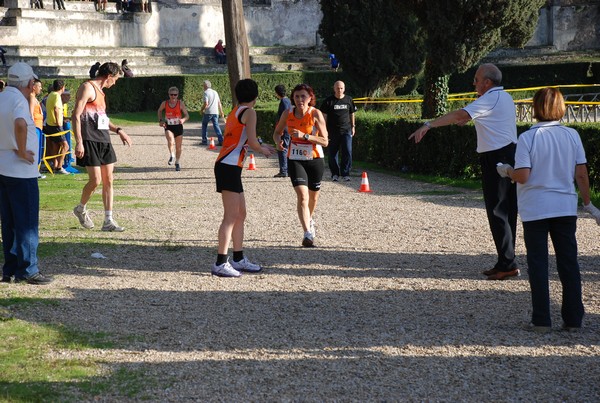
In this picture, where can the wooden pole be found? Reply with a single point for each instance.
(236, 42)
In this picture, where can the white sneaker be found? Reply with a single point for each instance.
(63, 171)
(308, 240)
(84, 218)
(346, 178)
(245, 265)
(335, 178)
(224, 270)
(112, 226)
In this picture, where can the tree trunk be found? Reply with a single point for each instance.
(435, 91)
(236, 41)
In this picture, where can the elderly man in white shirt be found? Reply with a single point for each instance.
(494, 116)
(19, 192)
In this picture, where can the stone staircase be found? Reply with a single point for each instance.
(20, 30)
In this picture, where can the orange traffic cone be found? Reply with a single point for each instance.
(364, 184)
(211, 146)
(252, 163)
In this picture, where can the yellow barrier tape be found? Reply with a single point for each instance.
(45, 157)
(463, 95)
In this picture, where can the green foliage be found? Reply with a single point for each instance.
(146, 93)
(535, 75)
(139, 94)
(446, 151)
(460, 33)
(436, 86)
(379, 44)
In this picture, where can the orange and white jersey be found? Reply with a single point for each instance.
(173, 114)
(235, 138)
(301, 149)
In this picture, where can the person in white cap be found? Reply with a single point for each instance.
(19, 192)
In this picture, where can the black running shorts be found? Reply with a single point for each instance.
(53, 130)
(307, 173)
(96, 154)
(177, 130)
(229, 177)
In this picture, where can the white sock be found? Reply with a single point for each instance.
(177, 161)
(81, 207)
(108, 215)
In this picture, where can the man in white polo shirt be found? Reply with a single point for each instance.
(494, 116)
(19, 192)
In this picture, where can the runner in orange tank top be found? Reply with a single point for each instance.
(175, 115)
(240, 133)
(308, 133)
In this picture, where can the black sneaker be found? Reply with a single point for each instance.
(36, 279)
(7, 279)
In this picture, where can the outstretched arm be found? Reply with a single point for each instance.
(457, 117)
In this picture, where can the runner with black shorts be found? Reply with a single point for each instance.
(94, 150)
(175, 115)
(308, 133)
(240, 133)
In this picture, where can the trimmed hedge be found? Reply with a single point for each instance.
(445, 151)
(138, 94)
(382, 138)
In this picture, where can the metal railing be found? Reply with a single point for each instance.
(581, 108)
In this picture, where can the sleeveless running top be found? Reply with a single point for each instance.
(38, 116)
(306, 124)
(234, 147)
(173, 114)
(94, 122)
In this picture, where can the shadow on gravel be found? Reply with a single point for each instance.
(267, 339)
(292, 261)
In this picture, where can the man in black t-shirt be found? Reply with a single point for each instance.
(338, 110)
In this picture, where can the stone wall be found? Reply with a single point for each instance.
(171, 24)
(564, 25)
(568, 25)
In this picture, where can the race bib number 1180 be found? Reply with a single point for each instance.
(301, 152)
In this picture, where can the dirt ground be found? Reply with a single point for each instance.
(390, 306)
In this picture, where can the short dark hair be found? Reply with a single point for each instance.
(57, 85)
(280, 90)
(246, 90)
(109, 69)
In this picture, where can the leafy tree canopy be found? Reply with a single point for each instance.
(378, 43)
(381, 42)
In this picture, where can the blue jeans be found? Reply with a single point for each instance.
(340, 144)
(562, 232)
(283, 162)
(19, 212)
(215, 121)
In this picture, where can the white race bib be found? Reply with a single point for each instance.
(103, 122)
(302, 152)
(173, 121)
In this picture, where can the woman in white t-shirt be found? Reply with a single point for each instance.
(548, 161)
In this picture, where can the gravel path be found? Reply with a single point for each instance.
(390, 306)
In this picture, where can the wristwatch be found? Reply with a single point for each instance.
(306, 136)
